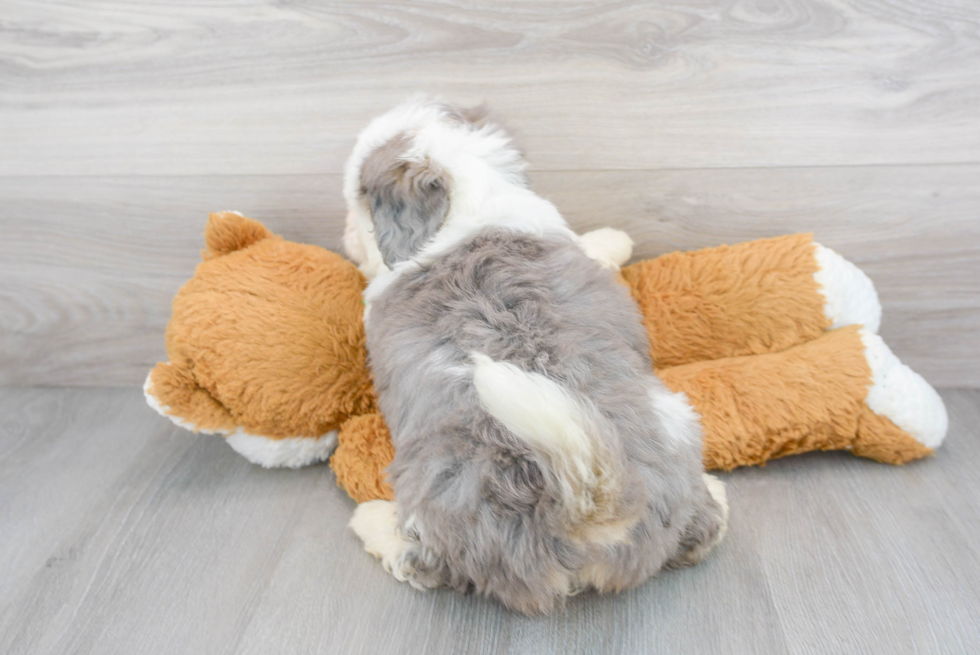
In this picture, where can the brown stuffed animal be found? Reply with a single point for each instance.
(266, 346)
(773, 341)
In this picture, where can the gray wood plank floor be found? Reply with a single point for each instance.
(120, 533)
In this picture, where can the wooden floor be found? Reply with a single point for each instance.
(120, 533)
(688, 124)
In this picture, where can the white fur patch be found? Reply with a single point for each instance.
(717, 490)
(552, 422)
(353, 243)
(383, 279)
(536, 409)
(902, 395)
(611, 248)
(376, 523)
(682, 423)
(291, 452)
(485, 169)
(849, 295)
(360, 243)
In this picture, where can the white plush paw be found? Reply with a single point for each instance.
(376, 523)
(611, 248)
(291, 452)
(849, 295)
(902, 395)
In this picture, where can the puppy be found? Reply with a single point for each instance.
(536, 455)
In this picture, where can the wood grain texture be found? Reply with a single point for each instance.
(120, 533)
(90, 264)
(691, 124)
(258, 87)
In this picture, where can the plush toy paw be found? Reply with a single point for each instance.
(288, 452)
(265, 346)
(849, 295)
(187, 405)
(903, 397)
(611, 248)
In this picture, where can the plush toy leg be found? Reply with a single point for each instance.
(363, 453)
(173, 392)
(749, 299)
(910, 404)
(844, 390)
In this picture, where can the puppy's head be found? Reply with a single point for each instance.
(414, 169)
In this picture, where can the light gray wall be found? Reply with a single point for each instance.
(687, 124)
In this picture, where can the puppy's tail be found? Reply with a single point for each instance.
(585, 475)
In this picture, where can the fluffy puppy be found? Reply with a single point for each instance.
(535, 453)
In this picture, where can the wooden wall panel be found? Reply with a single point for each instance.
(120, 88)
(90, 264)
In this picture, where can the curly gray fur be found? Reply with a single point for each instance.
(475, 500)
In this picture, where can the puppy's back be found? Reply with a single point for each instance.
(515, 376)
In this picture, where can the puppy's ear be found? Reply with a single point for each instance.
(408, 199)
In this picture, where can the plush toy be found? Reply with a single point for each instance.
(265, 346)
(773, 341)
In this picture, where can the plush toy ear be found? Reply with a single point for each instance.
(408, 200)
(230, 231)
(173, 392)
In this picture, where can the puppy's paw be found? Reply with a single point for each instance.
(707, 527)
(717, 490)
(611, 248)
(376, 523)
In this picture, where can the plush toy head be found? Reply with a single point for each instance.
(265, 346)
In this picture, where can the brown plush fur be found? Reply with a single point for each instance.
(364, 451)
(267, 336)
(809, 397)
(748, 299)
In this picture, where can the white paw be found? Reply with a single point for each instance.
(611, 248)
(849, 295)
(717, 490)
(902, 395)
(376, 523)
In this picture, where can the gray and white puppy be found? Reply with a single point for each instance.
(536, 454)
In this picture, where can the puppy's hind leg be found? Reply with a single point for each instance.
(376, 523)
(707, 528)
